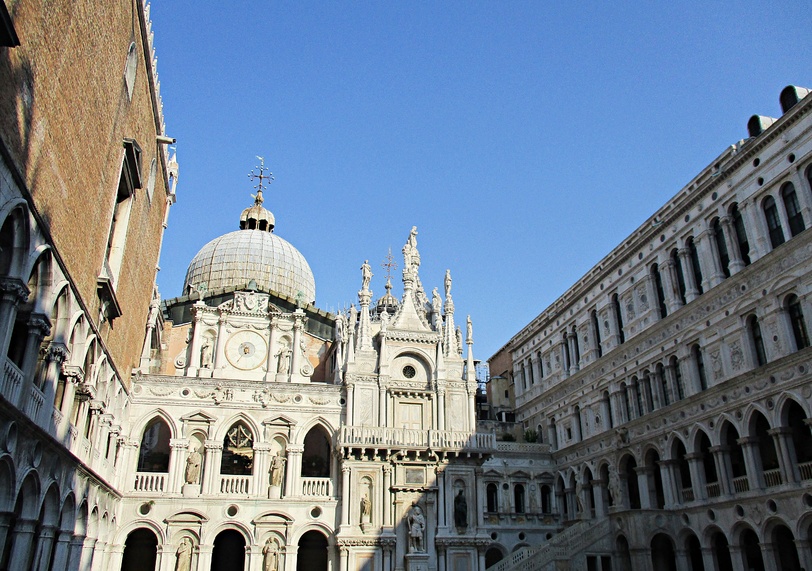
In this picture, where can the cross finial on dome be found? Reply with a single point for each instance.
(261, 177)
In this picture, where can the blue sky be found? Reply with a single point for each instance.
(524, 139)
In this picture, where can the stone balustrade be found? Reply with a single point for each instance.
(403, 438)
(150, 482)
(317, 487)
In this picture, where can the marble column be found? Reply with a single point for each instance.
(670, 490)
(177, 463)
(691, 293)
(211, 466)
(752, 462)
(387, 496)
(293, 476)
(708, 260)
(721, 460)
(782, 437)
(194, 351)
(12, 293)
(733, 251)
(697, 475)
(346, 496)
(668, 272)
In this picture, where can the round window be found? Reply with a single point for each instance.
(409, 372)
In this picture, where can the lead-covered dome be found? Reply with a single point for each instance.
(252, 253)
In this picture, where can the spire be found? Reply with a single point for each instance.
(364, 298)
(257, 217)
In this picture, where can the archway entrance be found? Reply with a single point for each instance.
(140, 551)
(662, 553)
(229, 551)
(312, 552)
(493, 556)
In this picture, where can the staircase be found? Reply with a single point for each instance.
(563, 546)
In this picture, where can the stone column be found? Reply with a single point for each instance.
(293, 477)
(733, 251)
(669, 483)
(194, 357)
(296, 358)
(617, 409)
(12, 293)
(177, 462)
(752, 462)
(572, 341)
(480, 557)
(44, 545)
(758, 234)
(612, 338)
(708, 560)
(262, 465)
(220, 344)
(75, 552)
(670, 286)
(211, 466)
(691, 293)
(599, 497)
(381, 404)
(481, 503)
(697, 470)
(804, 553)
(708, 260)
(387, 497)
(535, 363)
(442, 501)
(56, 355)
(38, 327)
(344, 553)
(441, 558)
(721, 459)
(671, 382)
(62, 550)
(350, 387)
(346, 496)
(782, 436)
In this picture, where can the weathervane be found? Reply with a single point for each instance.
(261, 177)
(389, 265)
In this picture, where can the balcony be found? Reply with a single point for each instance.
(240, 485)
(11, 382)
(150, 482)
(317, 487)
(403, 438)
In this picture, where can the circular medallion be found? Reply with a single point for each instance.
(246, 350)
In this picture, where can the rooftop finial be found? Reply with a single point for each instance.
(389, 264)
(261, 177)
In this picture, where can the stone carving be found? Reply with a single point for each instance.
(183, 555)
(460, 510)
(277, 471)
(716, 364)
(283, 360)
(459, 339)
(366, 275)
(205, 354)
(437, 309)
(270, 556)
(417, 529)
(366, 509)
(447, 283)
(341, 328)
(221, 394)
(469, 330)
(736, 356)
(192, 475)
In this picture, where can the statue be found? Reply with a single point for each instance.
(277, 470)
(411, 257)
(417, 526)
(184, 555)
(459, 339)
(341, 326)
(205, 354)
(366, 275)
(469, 329)
(447, 282)
(579, 490)
(353, 318)
(270, 556)
(283, 365)
(460, 510)
(192, 474)
(436, 308)
(366, 509)
(384, 321)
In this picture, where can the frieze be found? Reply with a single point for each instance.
(412, 336)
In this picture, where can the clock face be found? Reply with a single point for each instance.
(246, 350)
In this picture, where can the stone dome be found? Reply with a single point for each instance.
(252, 253)
(234, 259)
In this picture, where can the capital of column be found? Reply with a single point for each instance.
(56, 353)
(295, 449)
(213, 445)
(13, 290)
(178, 443)
(779, 431)
(39, 324)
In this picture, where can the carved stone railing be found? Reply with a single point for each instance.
(713, 489)
(317, 487)
(33, 405)
(11, 382)
(806, 470)
(522, 447)
(741, 484)
(772, 477)
(381, 436)
(150, 482)
(687, 494)
(240, 485)
(564, 545)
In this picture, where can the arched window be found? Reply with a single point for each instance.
(596, 328)
(659, 372)
(741, 234)
(576, 344)
(316, 454)
(238, 451)
(618, 317)
(658, 288)
(756, 341)
(681, 289)
(518, 498)
(567, 356)
(607, 405)
(638, 396)
(721, 247)
(553, 434)
(541, 365)
(773, 222)
(796, 317)
(692, 251)
(529, 366)
(696, 354)
(546, 506)
(492, 498)
(627, 405)
(793, 209)
(153, 455)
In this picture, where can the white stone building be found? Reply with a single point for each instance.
(672, 381)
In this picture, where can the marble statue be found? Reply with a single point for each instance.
(341, 328)
(437, 309)
(417, 529)
(459, 339)
(205, 354)
(469, 329)
(447, 283)
(270, 556)
(366, 275)
(283, 356)
(366, 509)
(277, 471)
(183, 561)
(460, 510)
(192, 474)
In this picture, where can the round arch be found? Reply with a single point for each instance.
(227, 424)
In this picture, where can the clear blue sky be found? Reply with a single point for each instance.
(524, 139)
